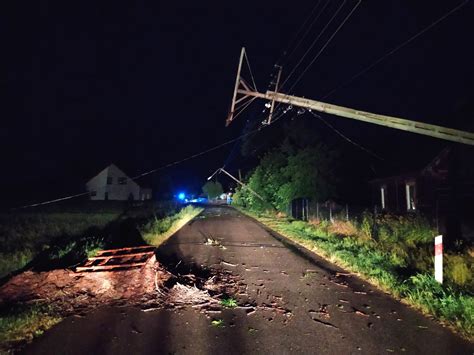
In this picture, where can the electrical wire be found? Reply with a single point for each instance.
(396, 49)
(326, 44)
(345, 137)
(52, 201)
(193, 156)
(247, 104)
(313, 44)
(295, 36)
(307, 30)
(250, 70)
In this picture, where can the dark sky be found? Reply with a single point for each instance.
(142, 84)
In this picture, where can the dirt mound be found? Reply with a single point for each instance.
(69, 291)
(148, 287)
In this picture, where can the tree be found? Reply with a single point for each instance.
(212, 189)
(285, 174)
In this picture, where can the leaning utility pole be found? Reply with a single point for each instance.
(245, 186)
(242, 89)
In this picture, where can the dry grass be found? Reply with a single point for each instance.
(184, 295)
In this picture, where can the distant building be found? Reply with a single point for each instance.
(113, 184)
(442, 189)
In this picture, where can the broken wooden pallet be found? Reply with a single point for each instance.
(113, 259)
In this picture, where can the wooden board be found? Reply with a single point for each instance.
(121, 258)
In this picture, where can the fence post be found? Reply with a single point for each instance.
(307, 209)
(302, 210)
(347, 212)
(330, 212)
(317, 211)
(438, 259)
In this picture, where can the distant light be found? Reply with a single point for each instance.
(181, 196)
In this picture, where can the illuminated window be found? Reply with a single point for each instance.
(410, 195)
(109, 180)
(122, 181)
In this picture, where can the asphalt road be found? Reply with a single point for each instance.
(303, 305)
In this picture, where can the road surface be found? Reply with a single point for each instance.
(302, 304)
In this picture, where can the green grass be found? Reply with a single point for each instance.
(156, 231)
(25, 235)
(58, 240)
(23, 324)
(229, 302)
(218, 323)
(390, 266)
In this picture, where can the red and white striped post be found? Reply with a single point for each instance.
(438, 260)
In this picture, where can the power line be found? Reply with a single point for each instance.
(307, 30)
(313, 43)
(154, 170)
(396, 49)
(345, 137)
(52, 201)
(250, 70)
(326, 44)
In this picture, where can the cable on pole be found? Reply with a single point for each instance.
(396, 49)
(250, 70)
(326, 44)
(345, 137)
(193, 156)
(307, 30)
(313, 43)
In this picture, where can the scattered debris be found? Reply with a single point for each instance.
(218, 323)
(212, 242)
(67, 291)
(228, 264)
(360, 313)
(180, 294)
(327, 324)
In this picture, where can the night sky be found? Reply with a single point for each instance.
(143, 84)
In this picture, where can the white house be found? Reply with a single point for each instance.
(113, 184)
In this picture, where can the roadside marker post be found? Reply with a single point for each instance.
(438, 260)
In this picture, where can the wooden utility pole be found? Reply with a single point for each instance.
(426, 129)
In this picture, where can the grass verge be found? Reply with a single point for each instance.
(23, 324)
(157, 230)
(449, 305)
(25, 236)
